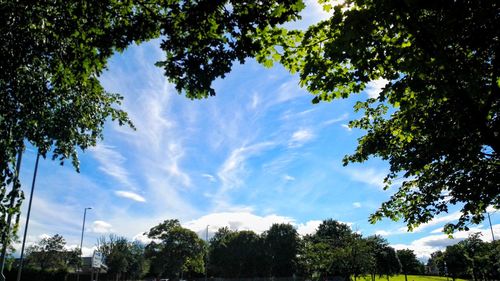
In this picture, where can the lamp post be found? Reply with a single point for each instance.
(21, 259)
(491, 228)
(81, 240)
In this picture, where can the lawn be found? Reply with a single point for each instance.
(410, 278)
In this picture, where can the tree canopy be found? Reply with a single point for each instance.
(52, 53)
(436, 121)
(50, 254)
(174, 249)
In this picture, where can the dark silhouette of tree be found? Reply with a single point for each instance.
(50, 254)
(124, 259)
(281, 244)
(174, 250)
(409, 262)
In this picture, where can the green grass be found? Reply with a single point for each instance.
(410, 278)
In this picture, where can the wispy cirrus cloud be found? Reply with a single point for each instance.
(368, 176)
(130, 195)
(209, 177)
(336, 120)
(300, 137)
(111, 163)
(233, 170)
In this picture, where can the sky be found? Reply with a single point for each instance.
(258, 153)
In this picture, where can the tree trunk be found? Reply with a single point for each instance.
(406, 277)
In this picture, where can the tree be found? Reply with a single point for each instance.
(435, 264)
(409, 262)
(334, 250)
(218, 253)
(174, 250)
(281, 243)
(494, 261)
(53, 53)
(315, 258)
(238, 254)
(50, 254)
(476, 253)
(385, 259)
(122, 257)
(437, 119)
(455, 261)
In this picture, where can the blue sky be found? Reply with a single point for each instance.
(258, 153)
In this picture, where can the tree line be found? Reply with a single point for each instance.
(175, 252)
(334, 250)
(471, 258)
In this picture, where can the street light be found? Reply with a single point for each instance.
(21, 259)
(81, 240)
(491, 228)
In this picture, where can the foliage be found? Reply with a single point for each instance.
(334, 250)
(50, 254)
(174, 250)
(315, 258)
(409, 262)
(436, 121)
(386, 261)
(238, 254)
(123, 258)
(435, 264)
(471, 258)
(456, 263)
(52, 53)
(281, 243)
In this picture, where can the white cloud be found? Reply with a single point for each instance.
(441, 220)
(246, 220)
(356, 205)
(336, 120)
(423, 247)
(130, 195)
(309, 227)
(231, 170)
(288, 178)
(255, 101)
(491, 209)
(345, 126)
(300, 137)
(373, 88)
(209, 177)
(86, 251)
(369, 176)
(382, 233)
(101, 227)
(141, 237)
(234, 221)
(110, 162)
